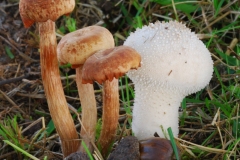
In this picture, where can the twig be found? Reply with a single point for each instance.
(208, 26)
(175, 11)
(20, 53)
(208, 149)
(12, 102)
(231, 46)
(162, 16)
(185, 2)
(229, 49)
(9, 5)
(32, 124)
(18, 69)
(13, 80)
(8, 154)
(8, 99)
(215, 21)
(232, 67)
(227, 6)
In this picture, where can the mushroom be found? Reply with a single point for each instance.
(75, 48)
(106, 66)
(45, 12)
(175, 63)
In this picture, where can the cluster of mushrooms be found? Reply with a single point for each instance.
(174, 63)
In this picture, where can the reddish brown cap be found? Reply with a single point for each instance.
(77, 46)
(42, 10)
(110, 63)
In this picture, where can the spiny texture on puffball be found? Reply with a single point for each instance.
(175, 63)
(173, 57)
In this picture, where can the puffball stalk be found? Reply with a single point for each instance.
(154, 110)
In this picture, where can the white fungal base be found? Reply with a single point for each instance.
(153, 108)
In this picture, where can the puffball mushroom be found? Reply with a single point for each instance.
(45, 12)
(75, 48)
(175, 63)
(106, 66)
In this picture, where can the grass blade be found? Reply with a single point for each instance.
(175, 150)
(20, 150)
(87, 150)
(9, 52)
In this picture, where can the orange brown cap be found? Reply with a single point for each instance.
(110, 63)
(77, 46)
(42, 10)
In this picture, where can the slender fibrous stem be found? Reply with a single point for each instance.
(110, 114)
(89, 110)
(53, 89)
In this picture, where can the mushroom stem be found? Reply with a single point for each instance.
(106, 66)
(110, 114)
(160, 108)
(53, 89)
(89, 110)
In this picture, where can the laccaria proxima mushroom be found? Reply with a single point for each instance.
(75, 48)
(175, 63)
(45, 12)
(106, 66)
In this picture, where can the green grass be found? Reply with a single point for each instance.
(126, 96)
(12, 135)
(9, 53)
(174, 146)
(87, 150)
(222, 99)
(20, 150)
(10, 131)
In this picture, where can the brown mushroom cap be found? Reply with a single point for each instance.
(156, 148)
(77, 46)
(42, 10)
(110, 63)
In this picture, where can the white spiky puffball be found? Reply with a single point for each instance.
(175, 63)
